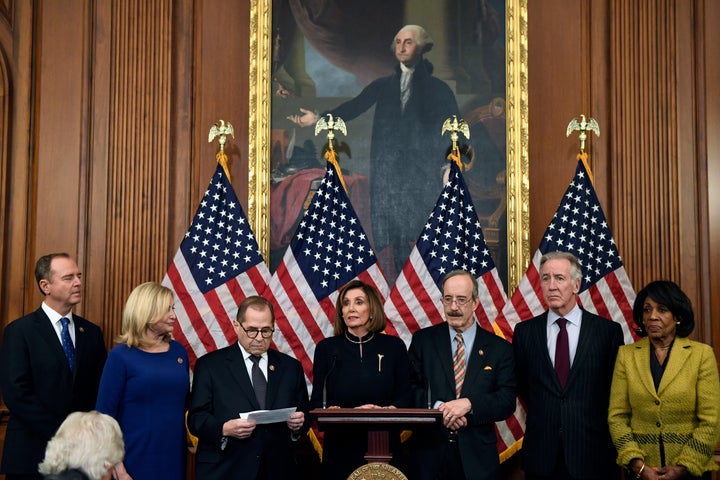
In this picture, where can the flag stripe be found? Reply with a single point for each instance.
(217, 265)
(328, 249)
(452, 239)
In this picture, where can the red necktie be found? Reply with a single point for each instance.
(562, 353)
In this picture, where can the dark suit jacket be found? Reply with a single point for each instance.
(38, 386)
(489, 384)
(221, 390)
(576, 417)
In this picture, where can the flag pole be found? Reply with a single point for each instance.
(584, 126)
(222, 131)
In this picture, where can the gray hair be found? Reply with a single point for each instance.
(575, 267)
(87, 441)
(458, 273)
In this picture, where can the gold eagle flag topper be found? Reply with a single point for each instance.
(331, 124)
(454, 126)
(583, 126)
(222, 130)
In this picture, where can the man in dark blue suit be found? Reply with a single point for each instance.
(224, 386)
(464, 447)
(566, 434)
(41, 384)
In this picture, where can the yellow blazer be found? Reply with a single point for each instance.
(685, 410)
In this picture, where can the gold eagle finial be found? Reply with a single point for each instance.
(222, 130)
(584, 126)
(330, 124)
(454, 126)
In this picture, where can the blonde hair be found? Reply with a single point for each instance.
(87, 441)
(145, 306)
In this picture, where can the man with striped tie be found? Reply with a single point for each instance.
(52, 361)
(468, 374)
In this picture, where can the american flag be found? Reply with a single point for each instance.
(329, 249)
(217, 265)
(451, 239)
(579, 226)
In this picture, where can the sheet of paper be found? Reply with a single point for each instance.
(268, 416)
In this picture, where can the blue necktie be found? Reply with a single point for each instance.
(67, 343)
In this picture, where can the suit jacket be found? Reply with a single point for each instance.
(414, 151)
(38, 386)
(574, 418)
(685, 409)
(489, 385)
(221, 390)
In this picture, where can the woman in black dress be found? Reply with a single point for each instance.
(359, 367)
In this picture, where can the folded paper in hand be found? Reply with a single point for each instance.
(268, 416)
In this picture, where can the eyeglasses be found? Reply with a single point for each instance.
(460, 301)
(253, 332)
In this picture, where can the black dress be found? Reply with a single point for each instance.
(344, 378)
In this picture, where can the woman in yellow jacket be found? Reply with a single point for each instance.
(664, 414)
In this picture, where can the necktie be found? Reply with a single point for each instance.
(405, 87)
(67, 343)
(562, 353)
(459, 364)
(258, 380)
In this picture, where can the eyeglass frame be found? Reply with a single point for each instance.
(261, 331)
(448, 301)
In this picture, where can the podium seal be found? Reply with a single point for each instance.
(377, 471)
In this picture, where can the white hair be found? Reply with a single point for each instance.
(87, 441)
(422, 37)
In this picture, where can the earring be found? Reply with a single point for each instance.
(677, 323)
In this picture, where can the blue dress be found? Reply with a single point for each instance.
(146, 393)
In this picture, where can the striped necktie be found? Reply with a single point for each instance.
(459, 364)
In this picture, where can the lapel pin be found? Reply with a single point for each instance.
(180, 360)
(272, 368)
(82, 329)
(481, 352)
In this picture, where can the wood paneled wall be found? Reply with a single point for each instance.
(645, 70)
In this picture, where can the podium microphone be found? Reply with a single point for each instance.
(429, 396)
(332, 366)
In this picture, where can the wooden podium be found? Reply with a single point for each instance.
(378, 422)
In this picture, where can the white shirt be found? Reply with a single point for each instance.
(574, 320)
(57, 324)
(263, 363)
(405, 79)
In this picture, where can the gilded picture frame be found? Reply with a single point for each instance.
(516, 115)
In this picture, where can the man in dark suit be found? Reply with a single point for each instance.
(225, 385)
(465, 445)
(410, 107)
(41, 384)
(566, 434)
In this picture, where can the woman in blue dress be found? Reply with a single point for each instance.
(145, 385)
